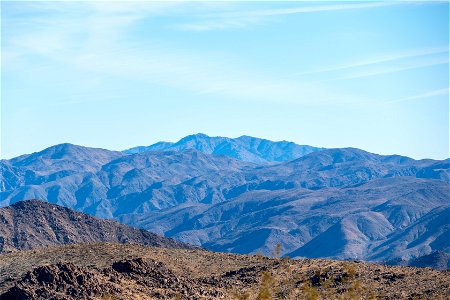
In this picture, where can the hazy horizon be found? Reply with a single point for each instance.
(114, 75)
(212, 136)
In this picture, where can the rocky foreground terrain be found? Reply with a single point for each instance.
(118, 271)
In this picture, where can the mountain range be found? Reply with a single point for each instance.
(245, 148)
(336, 203)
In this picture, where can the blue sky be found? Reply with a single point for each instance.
(371, 75)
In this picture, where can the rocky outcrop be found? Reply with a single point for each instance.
(34, 224)
(54, 281)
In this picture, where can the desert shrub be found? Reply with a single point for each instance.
(239, 295)
(350, 270)
(309, 291)
(178, 297)
(277, 251)
(267, 287)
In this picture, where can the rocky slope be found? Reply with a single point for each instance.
(245, 148)
(35, 224)
(373, 207)
(113, 271)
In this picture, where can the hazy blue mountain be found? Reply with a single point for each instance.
(160, 146)
(421, 236)
(346, 223)
(52, 174)
(339, 203)
(245, 148)
(439, 260)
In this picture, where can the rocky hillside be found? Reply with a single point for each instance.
(113, 271)
(35, 224)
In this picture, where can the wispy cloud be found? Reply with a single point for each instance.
(381, 58)
(381, 64)
(243, 18)
(428, 94)
(217, 24)
(396, 67)
(97, 45)
(312, 9)
(203, 74)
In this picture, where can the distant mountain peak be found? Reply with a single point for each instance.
(194, 136)
(200, 135)
(245, 148)
(66, 149)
